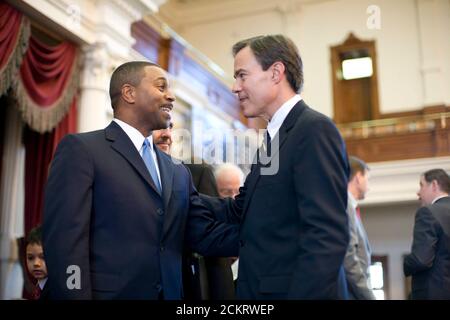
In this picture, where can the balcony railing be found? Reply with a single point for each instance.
(399, 138)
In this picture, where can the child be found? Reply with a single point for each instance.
(35, 261)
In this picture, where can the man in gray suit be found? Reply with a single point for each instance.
(357, 257)
(429, 260)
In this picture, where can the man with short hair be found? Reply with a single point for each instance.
(292, 207)
(119, 211)
(357, 257)
(429, 260)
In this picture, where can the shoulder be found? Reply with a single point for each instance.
(199, 167)
(85, 138)
(425, 213)
(312, 120)
(176, 164)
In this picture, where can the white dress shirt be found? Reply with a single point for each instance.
(280, 115)
(352, 200)
(41, 283)
(138, 141)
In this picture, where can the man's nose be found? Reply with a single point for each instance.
(170, 96)
(236, 87)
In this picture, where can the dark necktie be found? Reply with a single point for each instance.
(150, 163)
(37, 292)
(267, 143)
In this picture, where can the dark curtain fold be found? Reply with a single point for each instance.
(39, 150)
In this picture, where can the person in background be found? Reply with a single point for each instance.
(429, 260)
(36, 263)
(229, 179)
(357, 257)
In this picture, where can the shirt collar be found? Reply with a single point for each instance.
(437, 198)
(280, 115)
(42, 283)
(352, 200)
(135, 136)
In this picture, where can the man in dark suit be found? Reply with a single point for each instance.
(117, 210)
(204, 278)
(429, 260)
(292, 207)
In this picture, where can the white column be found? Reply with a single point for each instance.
(434, 47)
(94, 98)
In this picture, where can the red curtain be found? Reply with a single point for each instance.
(14, 33)
(46, 71)
(48, 83)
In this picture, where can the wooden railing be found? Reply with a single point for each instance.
(399, 138)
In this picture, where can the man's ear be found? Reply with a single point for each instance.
(128, 93)
(359, 176)
(435, 186)
(278, 71)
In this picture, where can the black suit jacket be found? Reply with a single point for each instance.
(213, 279)
(429, 260)
(294, 228)
(104, 218)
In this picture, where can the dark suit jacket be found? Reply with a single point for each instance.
(45, 295)
(213, 279)
(294, 227)
(104, 216)
(429, 260)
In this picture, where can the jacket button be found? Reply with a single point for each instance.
(161, 248)
(241, 243)
(160, 211)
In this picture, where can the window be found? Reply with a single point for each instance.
(357, 68)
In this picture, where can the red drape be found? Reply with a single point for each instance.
(48, 83)
(14, 33)
(46, 71)
(9, 32)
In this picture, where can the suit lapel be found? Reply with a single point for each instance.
(123, 145)
(166, 169)
(166, 173)
(282, 135)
